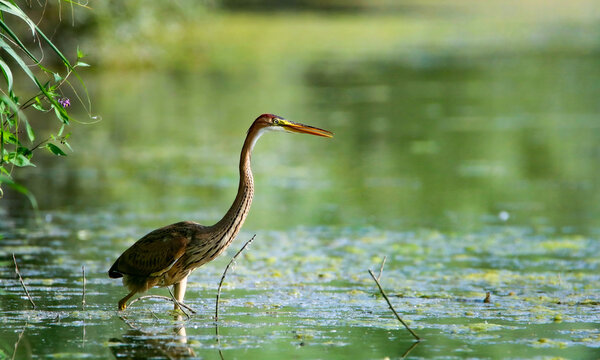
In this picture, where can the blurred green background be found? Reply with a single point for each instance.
(445, 114)
(466, 148)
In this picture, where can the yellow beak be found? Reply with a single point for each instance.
(305, 129)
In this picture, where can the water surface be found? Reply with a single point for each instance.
(471, 169)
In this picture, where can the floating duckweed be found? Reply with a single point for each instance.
(356, 292)
(489, 276)
(474, 295)
(353, 250)
(478, 327)
(539, 312)
(550, 343)
(471, 249)
(461, 257)
(554, 245)
(304, 336)
(372, 239)
(406, 249)
(68, 355)
(440, 287)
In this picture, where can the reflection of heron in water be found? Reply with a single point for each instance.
(137, 343)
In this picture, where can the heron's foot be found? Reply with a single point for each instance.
(123, 301)
(180, 305)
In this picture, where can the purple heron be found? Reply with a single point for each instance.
(168, 255)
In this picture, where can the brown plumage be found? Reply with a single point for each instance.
(166, 256)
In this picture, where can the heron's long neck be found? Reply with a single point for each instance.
(230, 224)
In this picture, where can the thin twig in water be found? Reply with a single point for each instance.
(154, 315)
(381, 268)
(218, 340)
(22, 283)
(225, 273)
(131, 324)
(163, 298)
(83, 294)
(19, 340)
(179, 304)
(392, 307)
(414, 345)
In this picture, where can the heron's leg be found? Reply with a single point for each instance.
(123, 301)
(179, 290)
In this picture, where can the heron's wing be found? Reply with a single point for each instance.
(155, 253)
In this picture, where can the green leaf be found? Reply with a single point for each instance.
(55, 150)
(61, 114)
(10, 138)
(82, 64)
(18, 59)
(21, 116)
(27, 71)
(7, 74)
(5, 179)
(63, 140)
(57, 77)
(15, 10)
(8, 101)
(19, 160)
(29, 129)
(56, 51)
(24, 151)
(12, 8)
(80, 53)
(39, 107)
(16, 39)
(67, 145)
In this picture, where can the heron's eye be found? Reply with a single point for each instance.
(275, 121)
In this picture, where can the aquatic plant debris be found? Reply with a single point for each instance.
(83, 290)
(22, 282)
(225, 273)
(376, 279)
(318, 289)
(171, 299)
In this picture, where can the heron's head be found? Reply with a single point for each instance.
(268, 122)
